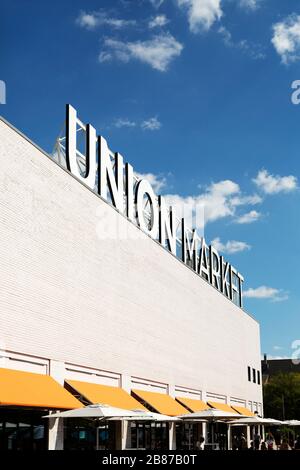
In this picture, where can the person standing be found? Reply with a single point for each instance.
(285, 445)
(256, 440)
(270, 441)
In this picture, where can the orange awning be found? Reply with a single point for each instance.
(105, 394)
(27, 389)
(221, 406)
(161, 402)
(193, 404)
(242, 410)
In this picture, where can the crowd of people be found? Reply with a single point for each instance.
(270, 443)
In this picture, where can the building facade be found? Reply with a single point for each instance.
(272, 367)
(87, 296)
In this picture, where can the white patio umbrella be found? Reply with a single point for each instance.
(272, 422)
(292, 422)
(102, 411)
(147, 416)
(211, 415)
(99, 411)
(255, 420)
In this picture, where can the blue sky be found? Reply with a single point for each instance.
(195, 92)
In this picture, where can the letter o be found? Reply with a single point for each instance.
(144, 187)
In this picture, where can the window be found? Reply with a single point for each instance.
(149, 435)
(249, 373)
(23, 430)
(258, 377)
(254, 375)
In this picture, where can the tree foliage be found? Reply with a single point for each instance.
(282, 396)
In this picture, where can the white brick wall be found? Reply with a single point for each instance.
(123, 306)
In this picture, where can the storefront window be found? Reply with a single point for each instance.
(149, 435)
(79, 434)
(23, 430)
(10, 435)
(85, 434)
(188, 436)
(217, 436)
(106, 436)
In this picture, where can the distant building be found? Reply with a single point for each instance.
(272, 367)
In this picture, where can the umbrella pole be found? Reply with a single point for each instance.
(97, 437)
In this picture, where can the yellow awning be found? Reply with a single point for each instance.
(242, 410)
(221, 406)
(106, 395)
(27, 389)
(161, 402)
(193, 404)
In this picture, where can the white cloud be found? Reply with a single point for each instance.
(252, 200)
(202, 14)
(156, 3)
(230, 247)
(219, 200)
(249, 217)
(158, 182)
(151, 124)
(226, 36)
(124, 122)
(277, 348)
(250, 4)
(95, 19)
(254, 51)
(105, 56)
(286, 39)
(157, 52)
(281, 298)
(158, 21)
(87, 20)
(264, 292)
(274, 184)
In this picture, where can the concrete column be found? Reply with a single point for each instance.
(172, 426)
(171, 390)
(204, 425)
(172, 436)
(205, 432)
(248, 436)
(263, 435)
(57, 371)
(56, 433)
(126, 383)
(229, 435)
(125, 437)
(125, 425)
(56, 425)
